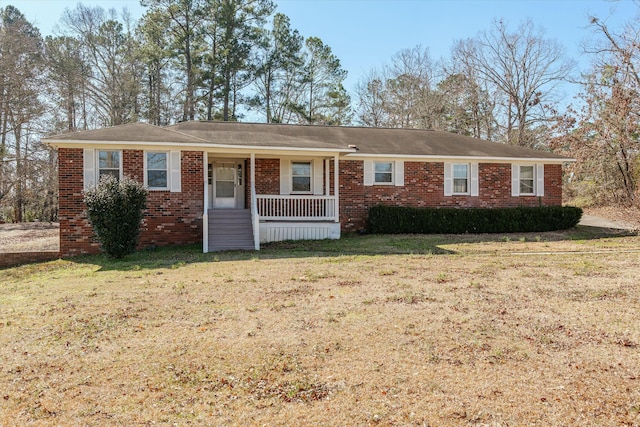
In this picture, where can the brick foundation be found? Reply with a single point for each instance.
(11, 259)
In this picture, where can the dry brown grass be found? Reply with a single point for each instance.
(485, 335)
(29, 237)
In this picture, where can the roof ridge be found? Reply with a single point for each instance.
(307, 125)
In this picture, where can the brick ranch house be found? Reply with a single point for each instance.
(236, 185)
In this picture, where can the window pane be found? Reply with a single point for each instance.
(526, 180)
(113, 172)
(157, 161)
(526, 186)
(225, 189)
(384, 177)
(526, 172)
(109, 159)
(384, 167)
(301, 169)
(460, 171)
(460, 185)
(301, 183)
(157, 179)
(224, 173)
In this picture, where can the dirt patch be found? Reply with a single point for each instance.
(29, 237)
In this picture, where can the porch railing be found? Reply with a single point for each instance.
(296, 207)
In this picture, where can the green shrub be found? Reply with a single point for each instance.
(402, 220)
(115, 209)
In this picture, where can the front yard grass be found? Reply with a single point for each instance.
(529, 329)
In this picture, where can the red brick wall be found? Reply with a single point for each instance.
(267, 176)
(424, 187)
(75, 230)
(174, 218)
(11, 259)
(171, 218)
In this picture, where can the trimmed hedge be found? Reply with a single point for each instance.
(115, 210)
(404, 220)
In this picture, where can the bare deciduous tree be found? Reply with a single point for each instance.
(522, 68)
(404, 94)
(110, 51)
(21, 71)
(605, 134)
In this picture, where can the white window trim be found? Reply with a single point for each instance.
(453, 178)
(473, 189)
(538, 180)
(393, 170)
(286, 176)
(397, 175)
(92, 171)
(97, 163)
(533, 180)
(310, 191)
(168, 170)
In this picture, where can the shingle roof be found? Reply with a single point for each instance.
(131, 132)
(369, 141)
(377, 141)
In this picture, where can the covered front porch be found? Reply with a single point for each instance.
(263, 198)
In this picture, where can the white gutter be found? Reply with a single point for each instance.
(351, 153)
(440, 158)
(191, 145)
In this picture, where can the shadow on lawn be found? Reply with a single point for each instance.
(348, 245)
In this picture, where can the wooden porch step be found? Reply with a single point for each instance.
(230, 229)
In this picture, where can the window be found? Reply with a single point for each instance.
(225, 179)
(383, 172)
(109, 164)
(460, 179)
(301, 177)
(527, 180)
(161, 169)
(157, 170)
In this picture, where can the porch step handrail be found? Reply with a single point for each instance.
(296, 207)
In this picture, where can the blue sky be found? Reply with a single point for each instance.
(366, 33)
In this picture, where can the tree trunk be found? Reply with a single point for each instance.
(227, 92)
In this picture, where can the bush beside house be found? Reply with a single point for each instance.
(401, 220)
(115, 210)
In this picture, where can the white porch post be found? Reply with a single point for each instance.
(205, 210)
(336, 191)
(253, 172)
(327, 182)
(255, 218)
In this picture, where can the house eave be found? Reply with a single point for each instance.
(453, 158)
(347, 153)
(206, 146)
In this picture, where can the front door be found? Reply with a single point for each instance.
(228, 184)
